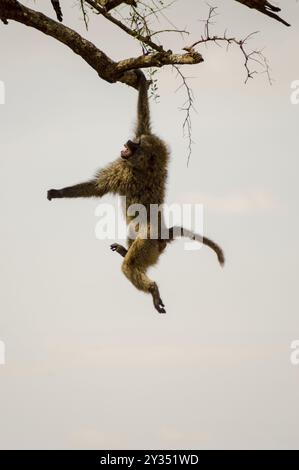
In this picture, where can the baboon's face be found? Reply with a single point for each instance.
(142, 152)
(134, 155)
(130, 150)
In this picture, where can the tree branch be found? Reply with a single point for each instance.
(264, 7)
(158, 59)
(110, 4)
(187, 107)
(98, 60)
(106, 68)
(126, 29)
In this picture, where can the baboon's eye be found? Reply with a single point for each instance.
(133, 146)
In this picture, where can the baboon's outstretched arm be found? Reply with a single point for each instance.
(107, 180)
(88, 189)
(143, 112)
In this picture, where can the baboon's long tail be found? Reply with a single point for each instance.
(176, 232)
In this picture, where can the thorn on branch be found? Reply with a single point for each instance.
(249, 56)
(57, 9)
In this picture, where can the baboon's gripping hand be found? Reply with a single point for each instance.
(54, 194)
(141, 79)
(140, 75)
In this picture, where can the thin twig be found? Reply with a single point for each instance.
(85, 16)
(134, 34)
(255, 55)
(187, 107)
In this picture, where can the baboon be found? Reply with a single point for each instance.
(140, 175)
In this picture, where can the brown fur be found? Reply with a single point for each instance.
(141, 178)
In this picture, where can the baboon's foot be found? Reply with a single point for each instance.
(53, 193)
(119, 249)
(158, 303)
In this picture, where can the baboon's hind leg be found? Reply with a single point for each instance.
(158, 303)
(141, 255)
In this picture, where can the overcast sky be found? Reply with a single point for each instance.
(89, 363)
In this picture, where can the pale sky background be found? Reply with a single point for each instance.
(90, 364)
